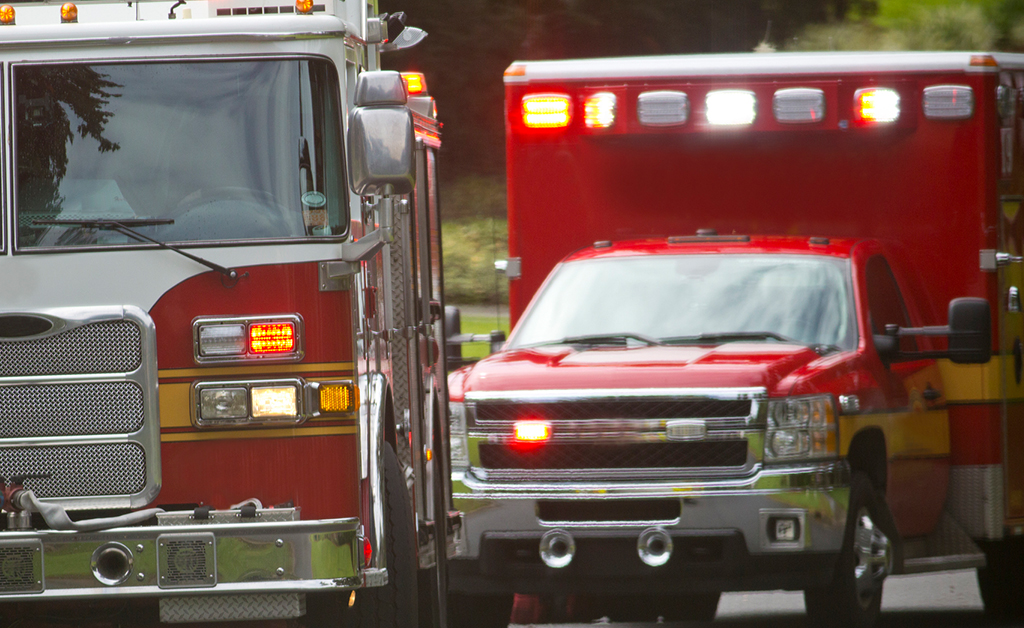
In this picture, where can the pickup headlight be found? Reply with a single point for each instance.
(801, 428)
(457, 433)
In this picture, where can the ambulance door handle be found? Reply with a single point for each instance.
(991, 260)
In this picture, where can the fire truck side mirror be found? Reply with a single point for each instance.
(380, 137)
(970, 331)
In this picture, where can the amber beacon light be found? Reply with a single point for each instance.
(68, 13)
(6, 15)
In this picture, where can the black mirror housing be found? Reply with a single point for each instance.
(970, 331)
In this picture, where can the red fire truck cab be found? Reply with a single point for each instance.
(767, 335)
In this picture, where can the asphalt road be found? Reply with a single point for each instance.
(941, 600)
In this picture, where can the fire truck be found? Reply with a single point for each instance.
(767, 335)
(221, 387)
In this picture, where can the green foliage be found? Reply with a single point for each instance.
(481, 325)
(473, 196)
(952, 27)
(860, 35)
(470, 248)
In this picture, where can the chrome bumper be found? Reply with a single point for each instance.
(816, 494)
(184, 560)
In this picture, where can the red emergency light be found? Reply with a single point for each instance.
(876, 104)
(532, 431)
(547, 111)
(271, 338)
(415, 83)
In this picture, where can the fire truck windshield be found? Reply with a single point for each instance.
(696, 299)
(227, 150)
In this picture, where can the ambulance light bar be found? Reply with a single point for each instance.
(876, 104)
(599, 110)
(662, 108)
(730, 107)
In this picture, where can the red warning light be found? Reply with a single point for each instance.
(272, 338)
(532, 431)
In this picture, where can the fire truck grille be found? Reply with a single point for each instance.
(106, 347)
(70, 409)
(78, 470)
(737, 409)
(186, 560)
(713, 453)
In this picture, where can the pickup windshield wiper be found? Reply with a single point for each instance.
(738, 336)
(606, 339)
(124, 227)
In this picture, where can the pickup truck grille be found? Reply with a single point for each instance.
(713, 453)
(616, 409)
(79, 404)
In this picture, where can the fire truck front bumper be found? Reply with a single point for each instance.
(183, 561)
(781, 528)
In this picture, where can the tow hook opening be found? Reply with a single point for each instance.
(557, 548)
(112, 564)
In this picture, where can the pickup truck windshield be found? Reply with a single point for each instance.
(695, 299)
(227, 150)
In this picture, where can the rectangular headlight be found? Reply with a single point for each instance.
(221, 340)
(219, 404)
(274, 402)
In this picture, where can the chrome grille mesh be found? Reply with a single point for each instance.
(703, 408)
(105, 347)
(78, 470)
(70, 409)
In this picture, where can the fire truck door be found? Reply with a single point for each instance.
(1011, 356)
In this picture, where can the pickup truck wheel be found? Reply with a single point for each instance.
(395, 604)
(479, 611)
(1000, 580)
(854, 597)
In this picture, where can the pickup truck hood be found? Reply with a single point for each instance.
(561, 367)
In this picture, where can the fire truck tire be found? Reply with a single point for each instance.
(395, 604)
(1001, 581)
(479, 611)
(854, 597)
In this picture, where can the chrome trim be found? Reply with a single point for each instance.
(145, 377)
(373, 390)
(295, 355)
(287, 556)
(591, 394)
(375, 577)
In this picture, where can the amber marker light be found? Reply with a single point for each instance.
(339, 397)
(271, 338)
(304, 7)
(415, 83)
(6, 15)
(532, 431)
(68, 13)
(546, 111)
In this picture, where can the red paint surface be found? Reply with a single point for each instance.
(916, 493)
(309, 472)
(975, 434)
(276, 289)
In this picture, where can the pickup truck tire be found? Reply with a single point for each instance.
(479, 611)
(854, 597)
(1001, 580)
(648, 608)
(395, 604)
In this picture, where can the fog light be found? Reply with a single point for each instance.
(787, 529)
(275, 402)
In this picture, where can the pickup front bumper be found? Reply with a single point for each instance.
(779, 528)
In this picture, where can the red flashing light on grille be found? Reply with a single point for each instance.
(272, 338)
(532, 431)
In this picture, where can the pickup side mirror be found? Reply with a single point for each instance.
(970, 331)
(380, 137)
(454, 338)
(969, 335)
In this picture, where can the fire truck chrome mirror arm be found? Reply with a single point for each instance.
(367, 246)
(121, 226)
(990, 259)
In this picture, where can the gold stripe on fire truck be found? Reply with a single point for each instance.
(980, 382)
(287, 432)
(907, 434)
(250, 369)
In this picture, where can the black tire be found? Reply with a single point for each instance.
(692, 607)
(854, 597)
(395, 604)
(479, 611)
(1001, 581)
(648, 608)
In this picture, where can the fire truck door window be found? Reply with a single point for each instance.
(885, 303)
(228, 150)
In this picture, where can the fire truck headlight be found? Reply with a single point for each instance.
(275, 402)
(223, 404)
(801, 428)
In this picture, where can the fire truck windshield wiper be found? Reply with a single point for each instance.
(607, 339)
(123, 226)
